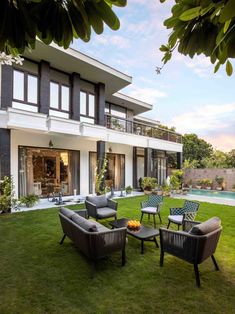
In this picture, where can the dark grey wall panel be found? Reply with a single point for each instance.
(7, 86)
(75, 96)
(44, 87)
(5, 152)
(100, 104)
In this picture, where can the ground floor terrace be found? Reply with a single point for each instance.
(38, 275)
(48, 163)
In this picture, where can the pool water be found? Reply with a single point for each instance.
(213, 193)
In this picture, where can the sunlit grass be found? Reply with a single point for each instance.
(38, 275)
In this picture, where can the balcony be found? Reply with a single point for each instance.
(139, 128)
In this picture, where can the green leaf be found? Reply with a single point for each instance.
(190, 14)
(226, 25)
(229, 68)
(217, 67)
(163, 48)
(228, 11)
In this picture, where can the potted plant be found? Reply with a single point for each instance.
(29, 200)
(174, 183)
(233, 187)
(128, 189)
(148, 184)
(198, 184)
(219, 180)
(206, 183)
(166, 190)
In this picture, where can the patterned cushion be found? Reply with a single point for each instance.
(84, 223)
(67, 212)
(99, 201)
(206, 226)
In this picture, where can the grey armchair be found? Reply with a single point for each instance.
(99, 207)
(194, 244)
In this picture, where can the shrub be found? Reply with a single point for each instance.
(174, 183)
(7, 195)
(148, 183)
(128, 189)
(29, 200)
(206, 182)
(219, 180)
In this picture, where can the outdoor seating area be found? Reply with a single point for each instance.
(60, 278)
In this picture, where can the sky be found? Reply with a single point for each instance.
(187, 94)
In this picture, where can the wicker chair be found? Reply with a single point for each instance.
(187, 212)
(152, 207)
(94, 240)
(99, 207)
(195, 244)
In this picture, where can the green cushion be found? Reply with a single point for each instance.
(206, 226)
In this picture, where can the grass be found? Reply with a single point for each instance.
(37, 275)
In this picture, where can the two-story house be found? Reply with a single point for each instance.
(61, 111)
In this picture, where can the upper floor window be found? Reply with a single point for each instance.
(59, 97)
(25, 87)
(87, 107)
(116, 110)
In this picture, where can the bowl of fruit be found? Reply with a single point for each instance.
(134, 225)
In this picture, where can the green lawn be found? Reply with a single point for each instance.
(38, 275)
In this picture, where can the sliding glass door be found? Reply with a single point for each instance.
(44, 171)
(115, 174)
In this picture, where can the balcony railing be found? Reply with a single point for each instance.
(139, 128)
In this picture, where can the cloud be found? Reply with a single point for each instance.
(115, 40)
(224, 142)
(205, 118)
(146, 94)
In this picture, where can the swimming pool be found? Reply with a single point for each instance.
(213, 194)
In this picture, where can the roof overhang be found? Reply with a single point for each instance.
(131, 103)
(71, 60)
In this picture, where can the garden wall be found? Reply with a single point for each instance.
(195, 174)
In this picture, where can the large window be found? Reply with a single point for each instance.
(46, 172)
(25, 87)
(87, 107)
(59, 97)
(115, 174)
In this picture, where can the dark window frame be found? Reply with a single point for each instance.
(25, 91)
(60, 97)
(87, 105)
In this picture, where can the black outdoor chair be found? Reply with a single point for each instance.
(100, 207)
(178, 214)
(152, 207)
(194, 244)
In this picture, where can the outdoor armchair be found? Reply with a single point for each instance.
(194, 244)
(178, 214)
(152, 207)
(100, 207)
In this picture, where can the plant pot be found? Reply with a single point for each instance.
(208, 187)
(198, 187)
(219, 189)
(160, 193)
(178, 191)
(147, 192)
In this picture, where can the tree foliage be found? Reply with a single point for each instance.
(202, 27)
(195, 148)
(59, 21)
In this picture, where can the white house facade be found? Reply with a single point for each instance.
(61, 111)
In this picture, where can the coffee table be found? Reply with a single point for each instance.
(143, 234)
